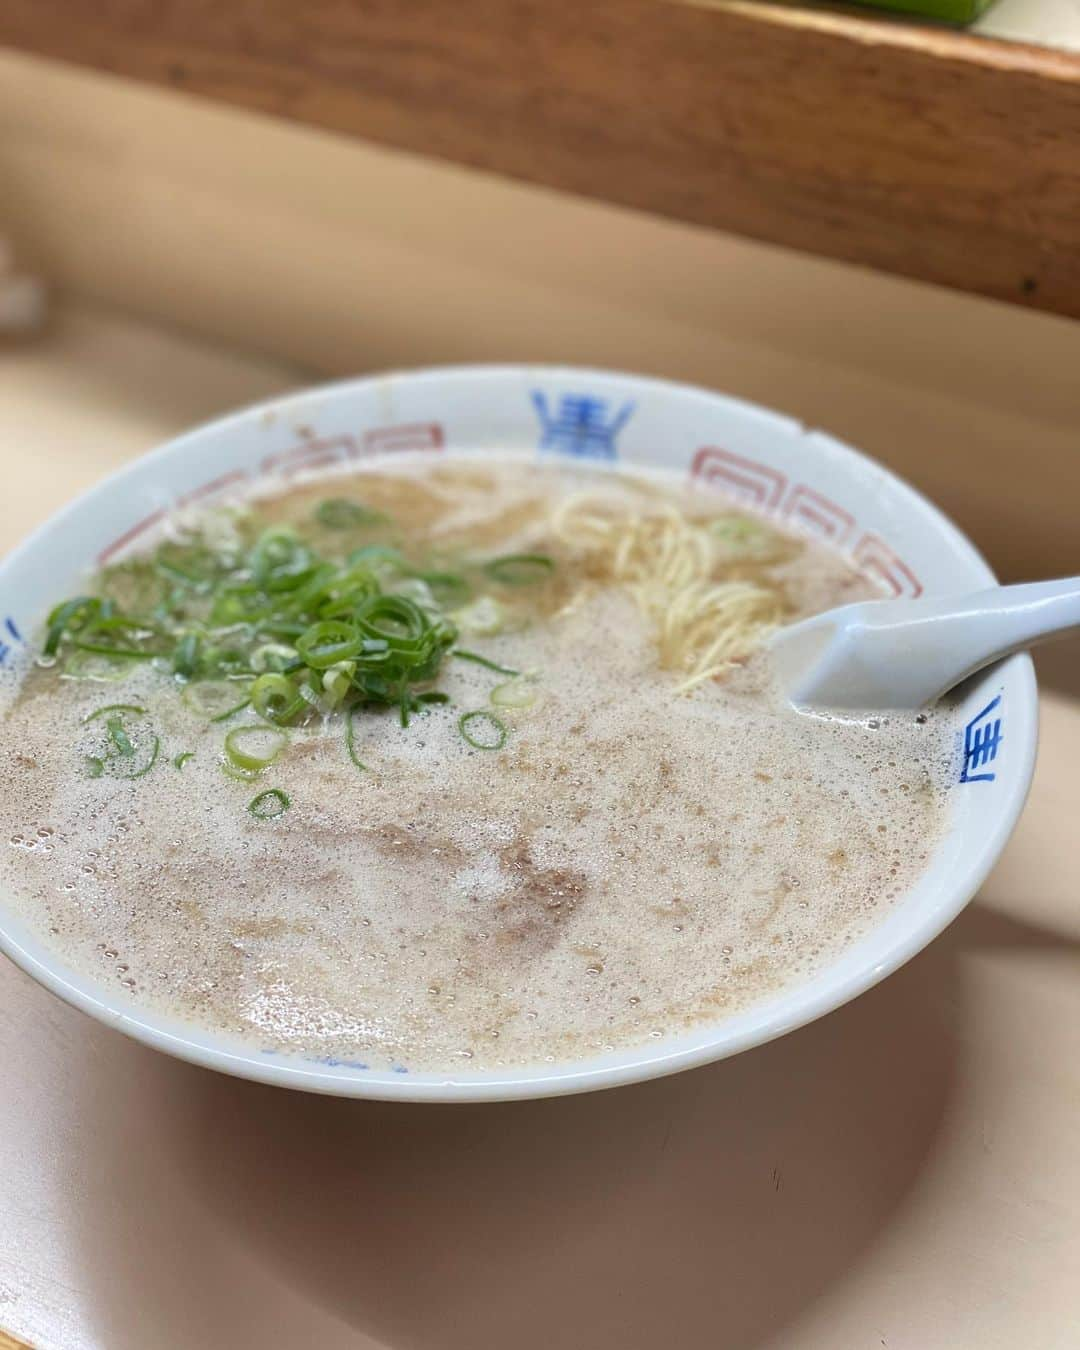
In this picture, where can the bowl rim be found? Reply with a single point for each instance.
(571, 1076)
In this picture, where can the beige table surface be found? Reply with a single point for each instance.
(903, 1174)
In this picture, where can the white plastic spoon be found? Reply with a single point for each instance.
(892, 654)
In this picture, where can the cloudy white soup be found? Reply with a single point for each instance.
(457, 764)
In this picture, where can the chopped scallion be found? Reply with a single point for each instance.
(479, 660)
(482, 730)
(254, 748)
(276, 698)
(350, 739)
(114, 708)
(518, 693)
(338, 513)
(520, 569)
(270, 804)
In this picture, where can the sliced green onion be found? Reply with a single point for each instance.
(183, 757)
(254, 748)
(114, 708)
(269, 805)
(229, 712)
(485, 617)
(325, 644)
(344, 600)
(310, 691)
(482, 730)
(227, 662)
(312, 591)
(336, 683)
(519, 693)
(280, 562)
(395, 620)
(273, 656)
(141, 773)
(375, 688)
(110, 649)
(125, 753)
(185, 660)
(520, 569)
(105, 623)
(350, 739)
(338, 513)
(276, 698)
(95, 766)
(72, 614)
(119, 737)
(479, 660)
(268, 624)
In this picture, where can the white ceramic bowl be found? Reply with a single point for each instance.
(800, 476)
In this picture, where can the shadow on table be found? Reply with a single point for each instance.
(704, 1210)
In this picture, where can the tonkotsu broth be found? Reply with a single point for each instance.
(633, 860)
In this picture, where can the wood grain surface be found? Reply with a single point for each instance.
(919, 151)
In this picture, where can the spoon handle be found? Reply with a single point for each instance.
(991, 624)
(905, 653)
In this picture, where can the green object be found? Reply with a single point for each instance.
(948, 11)
(520, 569)
(114, 708)
(486, 733)
(483, 661)
(338, 513)
(270, 804)
(258, 755)
(350, 739)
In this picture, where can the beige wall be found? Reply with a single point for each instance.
(342, 257)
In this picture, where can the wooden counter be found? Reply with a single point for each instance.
(913, 149)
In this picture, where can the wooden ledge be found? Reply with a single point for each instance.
(928, 153)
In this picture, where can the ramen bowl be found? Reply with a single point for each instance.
(802, 478)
